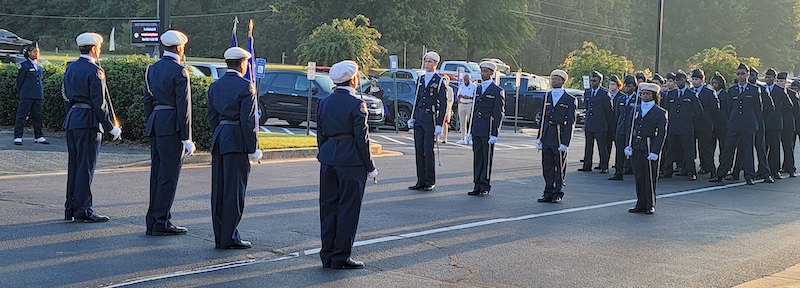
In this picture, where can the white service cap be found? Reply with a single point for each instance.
(650, 87)
(89, 39)
(431, 55)
(343, 71)
(489, 64)
(173, 38)
(561, 73)
(237, 53)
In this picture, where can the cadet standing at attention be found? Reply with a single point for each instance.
(232, 117)
(31, 94)
(168, 108)
(704, 128)
(428, 116)
(623, 111)
(345, 166)
(599, 117)
(486, 121)
(649, 128)
(789, 119)
(721, 123)
(774, 123)
(87, 118)
(684, 110)
(555, 133)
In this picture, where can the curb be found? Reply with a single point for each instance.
(786, 278)
(283, 154)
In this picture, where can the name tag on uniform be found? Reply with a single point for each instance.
(564, 105)
(671, 100)
(735, 98)
(489, 96)
(32, 70)
(747, 96)
(687, 99)
(621, 103)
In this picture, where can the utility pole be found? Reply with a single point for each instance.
(163, 20)
(658, 33)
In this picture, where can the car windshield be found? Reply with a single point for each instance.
(325, 83)
(474, 67)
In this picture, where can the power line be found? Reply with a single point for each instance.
(574, 22)
(129, 18)
(581, 31)
(571, 8)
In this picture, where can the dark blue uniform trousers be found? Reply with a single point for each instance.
(620, 161)
(83, 146)
(681, 144)
(761, 153)
(787, 141)
(340, 193)
(645, 172)
(229, 174)
(740, 142)
(553, 175)
(34, 108)
(423, 148)
(773, 141)
(602, 149)
(166, 161)
(482, 162)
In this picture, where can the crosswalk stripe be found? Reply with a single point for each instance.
(287, 131)
(265, 129)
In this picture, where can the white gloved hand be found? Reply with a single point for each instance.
(562, 147)
(652, 157)
(117, 132)
(492, 139)
(372, 174)
(411, 123)
(628, 151)
(539, 144)
(438, 130)
(255, 156)
(188, 147)
(468, 139)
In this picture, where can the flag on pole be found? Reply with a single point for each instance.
(251, 72)
(111, 46)
(234, 43)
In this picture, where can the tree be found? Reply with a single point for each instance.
(582, 62)
(722, 60)
(492, 28)
(342, 40)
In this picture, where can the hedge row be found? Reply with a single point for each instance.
(125, 80)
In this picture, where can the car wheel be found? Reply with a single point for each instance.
(294, 123)
(262, 115)
(402, 118)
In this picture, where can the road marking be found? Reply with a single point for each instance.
(390, 139)
(507, 146)
(418, 234)
(287, 131)
(265, 129)
(312, 133)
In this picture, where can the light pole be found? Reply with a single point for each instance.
(658, 34)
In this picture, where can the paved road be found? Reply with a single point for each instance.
(701, 236)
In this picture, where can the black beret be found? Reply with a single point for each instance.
(640, 75)
(597, 74)
(614, 78)
(680, 74)
(718, 76)
(698, 73)
(771, 72)
(743, 66)
(671, 76)
(753, 70)
(783, 75)
(658, 78)
(630, 80)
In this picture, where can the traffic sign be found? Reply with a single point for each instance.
(393, 63)
(312, 70)
(261, 67)
(585, 82)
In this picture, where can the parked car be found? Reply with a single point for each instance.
(10, 43)
(502, 67)
(283, 94)
(531, 93)
(450, 68)
(211, 70)
(406, 90)
(403, 74)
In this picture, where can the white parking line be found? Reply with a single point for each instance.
(265, 129)
(420, 233)
(390, 139)
(287, 131)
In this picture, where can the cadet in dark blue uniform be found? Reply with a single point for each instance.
(87, 118)
(745, 111)
(789, 119)
(168, 108)
(623, 104)
(683, 109)
(721, 123)
(345, 166)
(429, 112)
(486, 120)
(647, 139)
(31, 94)
(774, 123)
(614, 91)
(704, 128)
(768, 106)
(555, 133)
(599, 117)
(232, 117)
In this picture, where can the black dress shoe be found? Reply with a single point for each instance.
(715, 179)
(484, 193)
(544, 199)
(603, 171)
(585, 169)
(703, 171)
(68, 215)
(769, 179)
(556, 199)
(597, 168)
(415, 187)
(750, 182)
(792, 175)
(732, 177)
(627, 172)
(239, 245)
(692, 177)
(428, 188)
(636, 210)
(777, 176)
(173, 230)
(92, 218)
(349, 264)
(474, 192)
(615, 177)
(650, 211)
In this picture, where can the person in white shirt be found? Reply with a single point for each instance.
(466, 93)
(449, 113)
